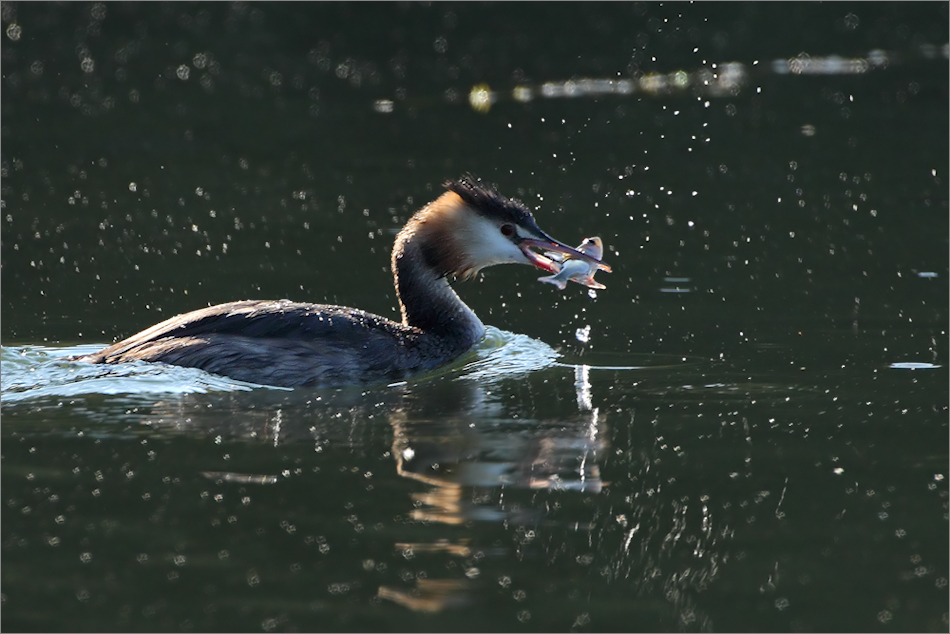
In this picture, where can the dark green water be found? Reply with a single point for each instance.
(747, 430)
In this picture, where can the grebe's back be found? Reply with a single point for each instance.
(288, 344)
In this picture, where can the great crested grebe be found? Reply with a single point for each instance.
(283, 343)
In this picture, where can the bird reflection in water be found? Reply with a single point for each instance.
(469, 469)
(494, 496)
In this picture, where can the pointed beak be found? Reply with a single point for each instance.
(547, 243)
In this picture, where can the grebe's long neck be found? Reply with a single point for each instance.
(423, 256)
(429, 303)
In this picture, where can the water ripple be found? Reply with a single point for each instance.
(32, 372)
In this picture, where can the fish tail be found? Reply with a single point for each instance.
(590, 282)
(553, 279)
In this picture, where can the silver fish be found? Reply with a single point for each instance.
(574, 270)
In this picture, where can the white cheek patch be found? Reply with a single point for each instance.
(485, 245)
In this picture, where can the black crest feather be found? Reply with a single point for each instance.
(486, 200)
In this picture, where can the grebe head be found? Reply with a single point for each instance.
(471, 227)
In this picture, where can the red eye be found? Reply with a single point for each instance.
(507, 230)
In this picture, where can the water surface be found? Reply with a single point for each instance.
(747, 430)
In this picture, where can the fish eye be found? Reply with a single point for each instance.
(507, 230)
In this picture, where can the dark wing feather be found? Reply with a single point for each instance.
(279, 343)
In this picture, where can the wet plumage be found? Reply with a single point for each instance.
(286, 343)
